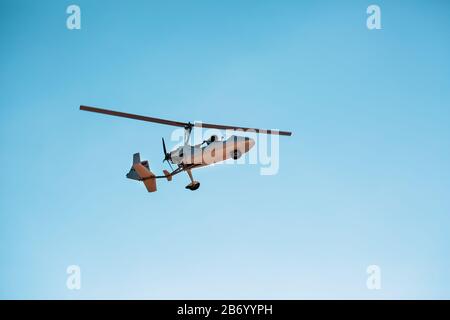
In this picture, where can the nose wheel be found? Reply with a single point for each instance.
(194, 185)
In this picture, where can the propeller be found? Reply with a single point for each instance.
(167, 156)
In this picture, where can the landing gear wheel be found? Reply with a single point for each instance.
(193, 186)
(236, 154)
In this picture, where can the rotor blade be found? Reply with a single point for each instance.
(222, 127)
(180, 124)
(133, 116)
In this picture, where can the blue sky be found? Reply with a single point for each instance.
(364, 179)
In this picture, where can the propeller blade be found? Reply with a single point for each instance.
(164, 147)
(167, 156)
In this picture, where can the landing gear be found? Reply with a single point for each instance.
(236, 154)
(194, 185)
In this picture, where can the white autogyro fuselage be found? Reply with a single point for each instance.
(213, 152)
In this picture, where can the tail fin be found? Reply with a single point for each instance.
(132, 174)
(140, 171)
(168, 175)
(136, 158)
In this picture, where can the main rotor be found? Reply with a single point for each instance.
(186, 125)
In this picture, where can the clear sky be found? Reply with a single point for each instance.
(364, 180)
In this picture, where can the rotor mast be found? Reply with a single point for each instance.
(187, 132)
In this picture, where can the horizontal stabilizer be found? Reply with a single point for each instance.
(147, 177)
